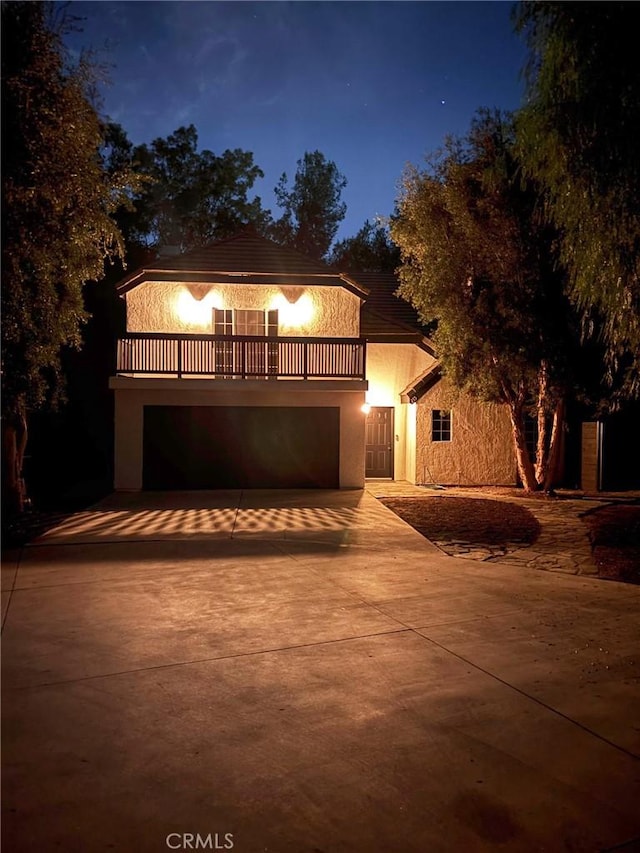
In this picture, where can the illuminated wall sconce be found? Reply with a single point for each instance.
(365, 408)
(195, 303)
(294, 306)
(292, 294)
(199, 291)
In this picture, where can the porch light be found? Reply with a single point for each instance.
(195, 310)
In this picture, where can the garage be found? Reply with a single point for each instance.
(252, 447)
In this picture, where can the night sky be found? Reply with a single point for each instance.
(371, 85)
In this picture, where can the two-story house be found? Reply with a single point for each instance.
(248, 365)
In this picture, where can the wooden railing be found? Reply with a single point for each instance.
(241, 357)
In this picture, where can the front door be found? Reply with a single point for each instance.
(379, 447)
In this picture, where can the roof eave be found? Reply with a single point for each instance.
(419, 387)
(225, 277)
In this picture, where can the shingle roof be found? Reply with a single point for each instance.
(248, 253)
(385, 317)
(254, 258)
(382, 300)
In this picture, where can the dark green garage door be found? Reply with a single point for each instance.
(215, 447)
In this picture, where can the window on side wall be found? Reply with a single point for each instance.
(440, 424)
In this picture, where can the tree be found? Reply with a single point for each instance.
(312, 207)
(193, 197)
(475, 258)
(117, 153)
(57, 230)
(578, 140)
(371, 250)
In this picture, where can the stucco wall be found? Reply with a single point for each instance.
(171, 307)
(481, 448)
(390, 368)
(131, 396)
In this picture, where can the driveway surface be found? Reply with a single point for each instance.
(302, 671)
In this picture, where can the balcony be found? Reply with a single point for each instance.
(240, 357)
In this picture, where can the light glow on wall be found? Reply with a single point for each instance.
(381, 394)
(296, 313)
(197, 312)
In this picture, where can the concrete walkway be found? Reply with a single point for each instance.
(304, 672)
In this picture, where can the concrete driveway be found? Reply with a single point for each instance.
(301, 671)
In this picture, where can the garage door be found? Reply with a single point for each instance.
(211, 447)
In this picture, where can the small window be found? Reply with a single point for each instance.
(440, 425)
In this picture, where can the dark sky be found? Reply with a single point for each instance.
(373, 86)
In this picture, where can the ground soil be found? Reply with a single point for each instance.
(615, 539)
(472, 520)
(614, 530)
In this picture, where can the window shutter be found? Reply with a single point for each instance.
(272, 347)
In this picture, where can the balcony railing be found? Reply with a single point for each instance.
(241, 357)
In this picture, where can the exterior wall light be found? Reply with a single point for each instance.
(196, 311)
(365, 408)
(292, 294)
(199, 291)
(295, 307)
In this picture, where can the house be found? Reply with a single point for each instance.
(246, 364)
(438, 434)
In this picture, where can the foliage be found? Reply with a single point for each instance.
(117, 158)
(371, 250)
(191, 197)
(578, 140)
(312, 207)
(476, 260)
(57, 198)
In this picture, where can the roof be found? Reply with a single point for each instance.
(387, 318)
(246, 257)
(419, 387)
(383, 301)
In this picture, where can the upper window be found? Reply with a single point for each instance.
(249, 322)
(440, 425)
(241, 357)
(245, 322)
